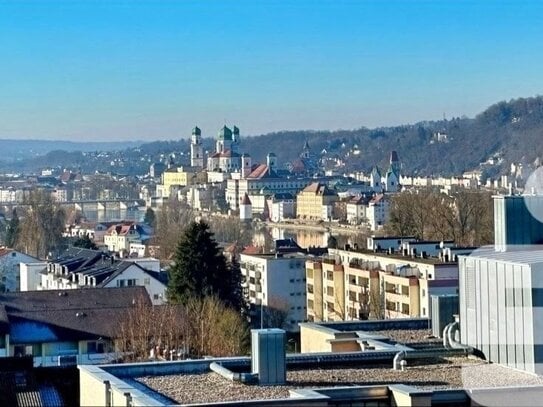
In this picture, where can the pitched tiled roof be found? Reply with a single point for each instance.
(377, 198)
(245, 200)
(72, 314)
(262, 171)
(225, 154)
(318, 189)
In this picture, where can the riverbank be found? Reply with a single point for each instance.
(321, 227)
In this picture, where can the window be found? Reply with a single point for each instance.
(156, 296)
(120, 283)
(95, 347)
(131, 282)
(423, 292)
(147, 280)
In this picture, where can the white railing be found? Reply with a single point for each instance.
(82, 359)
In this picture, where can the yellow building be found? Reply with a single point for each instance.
(177, 177)
(361, 284)
(401, 295)
(338, 293)
(315, 202)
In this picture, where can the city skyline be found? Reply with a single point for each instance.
(152, 70)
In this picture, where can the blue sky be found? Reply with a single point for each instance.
(118, 70)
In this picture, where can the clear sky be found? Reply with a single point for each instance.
(117, 70)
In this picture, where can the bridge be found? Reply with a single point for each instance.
(87, 204)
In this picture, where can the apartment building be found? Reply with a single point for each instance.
(277, 283)
(65, 328)
(360, 284)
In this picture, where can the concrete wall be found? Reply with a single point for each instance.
(314, 338)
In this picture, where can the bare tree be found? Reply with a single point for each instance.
(171, 221)
(42, 225)
(275, 313)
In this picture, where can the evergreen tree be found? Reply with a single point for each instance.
(150, 217)
(85, 242)
(12, 229)
(200, 269)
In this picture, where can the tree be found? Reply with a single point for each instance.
(42, 225)
(170, 222)
(85, 242)
(200, 269)
(332, 242)
(12, 230)
(150, 217)
(204, 326)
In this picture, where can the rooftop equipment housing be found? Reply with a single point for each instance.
(268, 356)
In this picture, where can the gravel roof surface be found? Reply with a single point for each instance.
(453, 373)
(409, 335)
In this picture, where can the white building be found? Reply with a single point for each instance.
(276, 281)
(281, 207)
(378, 211)
(10, 271)
(105, 274)
(356, 210)
(245, 209)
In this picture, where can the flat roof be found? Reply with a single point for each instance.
(449, 373)
(406, 259)
(522, 254)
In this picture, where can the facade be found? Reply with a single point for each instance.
(356, 210)
(59, 328)
(378, 212)
(10, 270)
(176, 177)
(281, 207)
(276, 282)
(358, 284)
(262, 181)
(118, 238)
(313, 200)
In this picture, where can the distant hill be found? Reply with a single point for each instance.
(511, 131)
(13, 150)
(506, 131)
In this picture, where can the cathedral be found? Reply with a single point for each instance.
(224, 159)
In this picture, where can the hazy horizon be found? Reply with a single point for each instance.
(151, 70)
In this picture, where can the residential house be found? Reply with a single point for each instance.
(83, 268)
(119, 237)
(65, 327)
